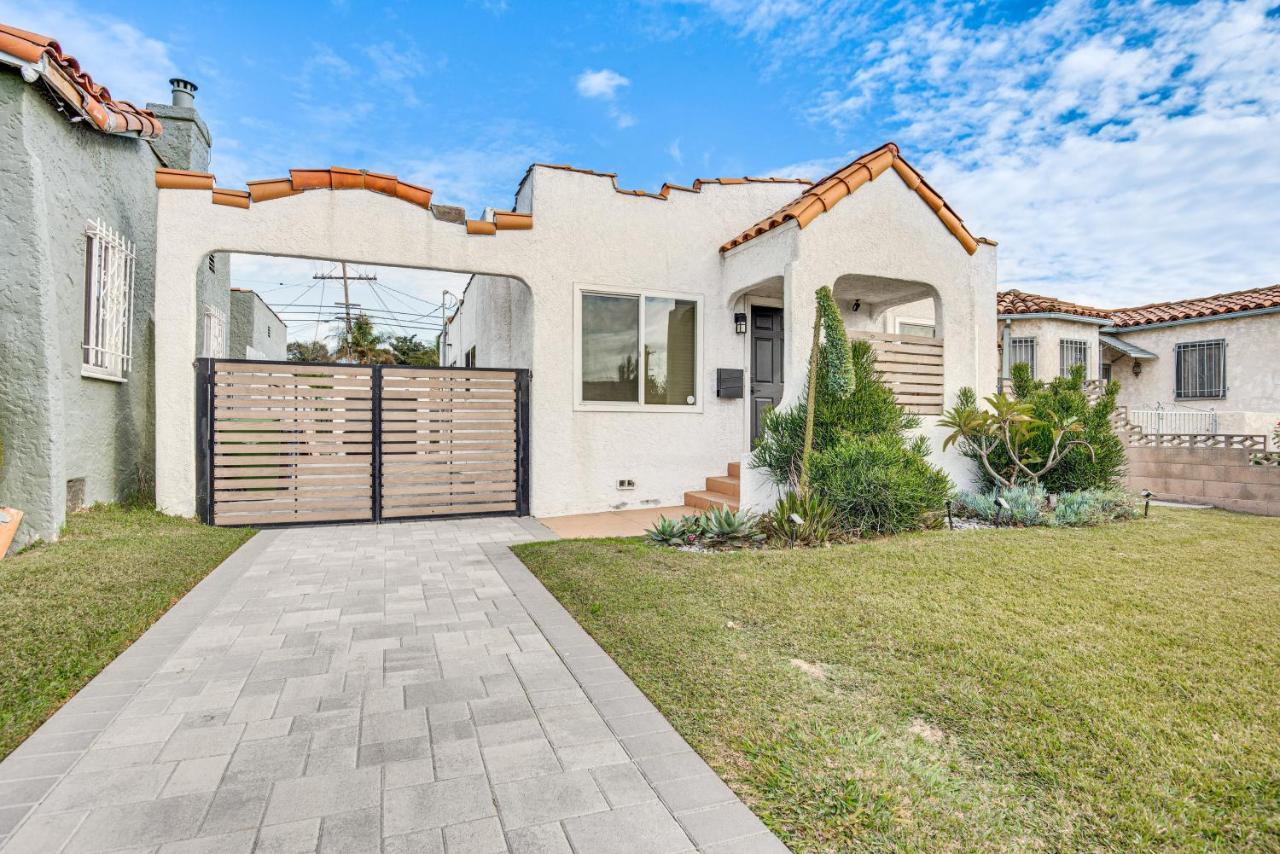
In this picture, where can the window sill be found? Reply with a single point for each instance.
(590, 406)
(90, 374)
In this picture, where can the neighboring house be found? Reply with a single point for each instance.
(256, 331)
(1203, 365)
(77, 279)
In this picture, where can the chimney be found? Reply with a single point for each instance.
(185, 141)
(184, 93)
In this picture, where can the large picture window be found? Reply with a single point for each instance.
(1200, 370)
(638, 349)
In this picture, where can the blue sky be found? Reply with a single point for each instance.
(1119, 152)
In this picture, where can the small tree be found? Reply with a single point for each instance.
(362, 344)
(1010, 425)
(309, 351)
(408, 350)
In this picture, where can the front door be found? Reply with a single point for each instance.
(766, 364)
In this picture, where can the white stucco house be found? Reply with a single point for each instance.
(656, 325)
(1201, 365)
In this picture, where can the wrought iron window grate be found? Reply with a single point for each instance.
(215, 333)
(1073, 352)
(108, 320)
(1200, 370)
(1023, 351)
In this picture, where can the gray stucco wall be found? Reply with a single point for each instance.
(58, 425)
(256, 332)
(213, 289)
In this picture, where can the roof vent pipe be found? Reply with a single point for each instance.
(184, 93)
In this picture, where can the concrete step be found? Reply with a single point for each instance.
(726, 485)
(735, 469)
(703, 499)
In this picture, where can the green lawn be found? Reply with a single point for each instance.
(68, 608)
(1107, 688)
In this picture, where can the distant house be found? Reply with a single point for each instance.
(77, 279)
(1203, 365)
(256, 332)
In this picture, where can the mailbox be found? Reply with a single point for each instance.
(729, 382)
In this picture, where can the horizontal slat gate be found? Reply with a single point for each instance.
(449, 441)
(911, 365)
(291, 443)
(287, 443)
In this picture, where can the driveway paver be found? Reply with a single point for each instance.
(399, 687)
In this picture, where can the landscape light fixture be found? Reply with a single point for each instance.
(950, 522)
(740, 323)
(1146, 507)
(1001, 504)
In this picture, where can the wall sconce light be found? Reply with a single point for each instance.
(857, 304)
(740, 323)
(1137, 368)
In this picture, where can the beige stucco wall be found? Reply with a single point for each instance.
(495, 318)
(1049, 333)
(1252, 401)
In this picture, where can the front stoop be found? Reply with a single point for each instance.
(722, 491)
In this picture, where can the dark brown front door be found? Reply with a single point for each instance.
(766, 364)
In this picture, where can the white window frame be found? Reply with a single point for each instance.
(214, 333)
(107, 352)
(579, 289)
(911, 321)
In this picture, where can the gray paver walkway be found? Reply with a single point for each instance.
(406, 687)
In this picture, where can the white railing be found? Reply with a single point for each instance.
(1161, 419)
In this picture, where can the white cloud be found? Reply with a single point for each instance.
(676, 154)
(1120, 152)
(132, 65)
(476, 175)
(603, 84)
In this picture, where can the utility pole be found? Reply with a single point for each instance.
(346, 289)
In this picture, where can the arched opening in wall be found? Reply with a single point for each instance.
(335, 391)
(903, 322)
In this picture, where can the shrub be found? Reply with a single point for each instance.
(879, 484)
(1028, 506)
(862, 463)
(1061, 400)
(800, 521)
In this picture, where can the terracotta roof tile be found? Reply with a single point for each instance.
(62, 73)
(1019, 302)
(826, 193)
(1190, 309)
(338, 178)
(665, 191)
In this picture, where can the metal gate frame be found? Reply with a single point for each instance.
(205, 375)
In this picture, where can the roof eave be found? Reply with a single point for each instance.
(1056, 315)
(1183, 321)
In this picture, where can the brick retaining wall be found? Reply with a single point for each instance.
(1223, 477)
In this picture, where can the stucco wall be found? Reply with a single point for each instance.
(495, 318)
(56, 424)
(586, 235)
(214, 289)
(1252, 401)
(1049, 333)
(255, 330)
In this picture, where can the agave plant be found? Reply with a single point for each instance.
(800, 521)
(668, 532)
(733, 528)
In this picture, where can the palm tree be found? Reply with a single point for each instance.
(362, 344)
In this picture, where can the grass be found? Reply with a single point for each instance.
(68, 608)
(1102, 688)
